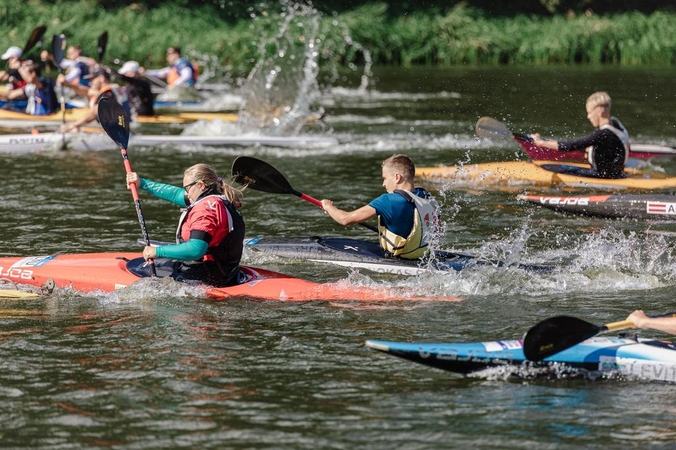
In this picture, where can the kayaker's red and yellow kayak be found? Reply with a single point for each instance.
(549, 174)
(106, 272)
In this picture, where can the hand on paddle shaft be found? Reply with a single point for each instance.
(115, 122)
(488, 127)
(556, 334)
(261, 176)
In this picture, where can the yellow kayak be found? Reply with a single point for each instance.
(515, 175)
(19, 119)
(16, 294)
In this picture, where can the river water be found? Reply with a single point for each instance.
(148, 368)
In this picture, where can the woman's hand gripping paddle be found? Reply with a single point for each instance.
(115, 122)
(558, 333)
(261, 176)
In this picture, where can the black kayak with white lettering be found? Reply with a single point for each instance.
(619, 206)
(368, 255)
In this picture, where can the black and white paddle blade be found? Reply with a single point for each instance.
(556, 334)
(115, 121)
(260, 176)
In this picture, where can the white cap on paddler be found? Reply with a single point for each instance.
(129, 66)
(12, 52)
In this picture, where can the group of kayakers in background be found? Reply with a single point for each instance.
(85, 77)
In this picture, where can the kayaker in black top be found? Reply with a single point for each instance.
(139, 93)
(607, 147)
(664, 324)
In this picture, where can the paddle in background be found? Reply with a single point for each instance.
(261, 176)
(34, 38)
(488, 127)
(58, 53)
(101, 45)
(115, 123)
(558, 333)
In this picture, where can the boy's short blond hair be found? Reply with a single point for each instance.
(598, 99)
(401, 164)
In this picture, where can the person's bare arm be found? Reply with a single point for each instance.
(348, 217)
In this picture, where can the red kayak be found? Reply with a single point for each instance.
(638, 151)
(106, 272)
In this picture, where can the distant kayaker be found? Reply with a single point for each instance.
(210, 234)
(100, 86)
(11, 75)
(664, 324)
(77, 68)
(408, 216)
(607, 147)
(180, 72)
(139, 93)
(38, 91)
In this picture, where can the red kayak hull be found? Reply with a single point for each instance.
(107, 272)
(638, 151)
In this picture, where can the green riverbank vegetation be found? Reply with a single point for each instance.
(458, 35)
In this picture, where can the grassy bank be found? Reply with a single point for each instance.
(462, 36)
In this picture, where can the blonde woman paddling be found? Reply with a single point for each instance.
(210, 234)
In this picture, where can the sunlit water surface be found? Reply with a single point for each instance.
(158, 366)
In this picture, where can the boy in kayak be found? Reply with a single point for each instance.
(607, 147)
(210, 234)
(408, 216)
(38, 91)
(12, 75)
(664, 324)
(181, 72)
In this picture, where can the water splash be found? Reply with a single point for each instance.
(278, 92)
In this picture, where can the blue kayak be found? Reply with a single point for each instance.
(600, 356)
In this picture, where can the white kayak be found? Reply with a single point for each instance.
(272, 141)
(31, 143)
(95, 141)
